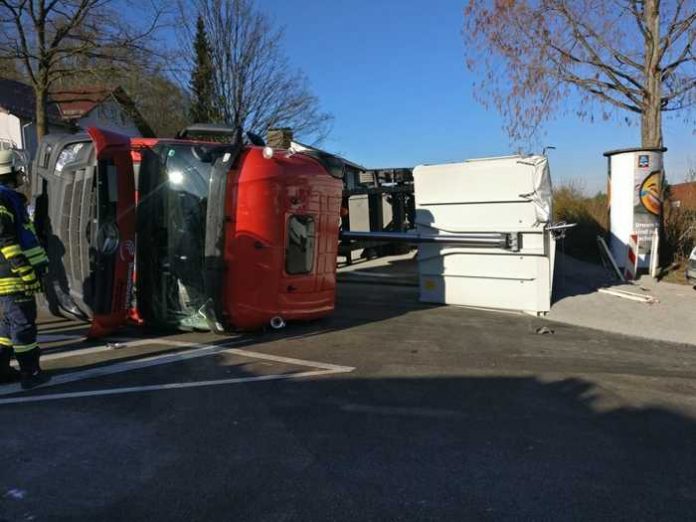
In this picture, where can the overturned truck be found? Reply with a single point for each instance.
(186, 233)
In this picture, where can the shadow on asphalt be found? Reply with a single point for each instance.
(356, 305)
(352, 449)
(467, 448)
(349, 448)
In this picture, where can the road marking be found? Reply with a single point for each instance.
(108, 347)
(52, 356)
(121, 367)
(290, 360)
(66, 353)
(57, 337)
(67, 329)
(170, 386)
(157, 360)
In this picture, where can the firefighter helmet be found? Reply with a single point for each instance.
(7, 159)
(12, 166)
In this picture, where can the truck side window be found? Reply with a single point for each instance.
(299, 254)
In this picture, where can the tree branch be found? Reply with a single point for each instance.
(597, 61)
(676, 30)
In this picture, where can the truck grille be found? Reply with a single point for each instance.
(78, 203)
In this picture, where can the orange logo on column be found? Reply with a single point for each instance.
(651, 193)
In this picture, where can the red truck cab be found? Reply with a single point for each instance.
(281, 239)
(225, 236)
(82, 200)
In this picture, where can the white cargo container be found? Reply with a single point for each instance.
(509, 195)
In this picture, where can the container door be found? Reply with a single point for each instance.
(84, 213)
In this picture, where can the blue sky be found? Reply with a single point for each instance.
(392, 73)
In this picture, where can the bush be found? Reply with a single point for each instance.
(679, 235)
(591, 215)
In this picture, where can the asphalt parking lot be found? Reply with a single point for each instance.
(389, 410)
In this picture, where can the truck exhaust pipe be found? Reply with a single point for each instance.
(277, 323)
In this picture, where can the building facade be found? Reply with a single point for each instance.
(67, 111)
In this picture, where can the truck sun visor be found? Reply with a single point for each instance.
(334, 165)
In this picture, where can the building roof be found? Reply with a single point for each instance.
(18, 98)
(77, 103)
(684, 193)
(67, 106)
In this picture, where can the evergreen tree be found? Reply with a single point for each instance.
(202, 105)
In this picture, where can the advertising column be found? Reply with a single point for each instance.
(636, 181)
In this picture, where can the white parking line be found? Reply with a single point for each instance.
(126, 366)
(319, 368)
(57, 337)
(109, 347)
(290, 360)
(68, 352)
(170, 386)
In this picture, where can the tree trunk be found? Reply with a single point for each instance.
(41, 95)
(651, 117)
(651, 125)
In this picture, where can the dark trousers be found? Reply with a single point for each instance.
(18, 330)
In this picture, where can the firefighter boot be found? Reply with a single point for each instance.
(32, 374)
(7, 373)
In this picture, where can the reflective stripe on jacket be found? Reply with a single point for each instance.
(24, 228)
(20, 250)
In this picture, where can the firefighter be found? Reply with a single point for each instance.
(22, 262)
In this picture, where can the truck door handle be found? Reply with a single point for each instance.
(258, 245)
(291, 288)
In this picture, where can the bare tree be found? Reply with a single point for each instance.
(161, 101)
(255, 88)
(58, 39)
(632, 56)
(690, 175)
(146, 77)
(10, 70)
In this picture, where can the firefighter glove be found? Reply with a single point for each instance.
(31, 282)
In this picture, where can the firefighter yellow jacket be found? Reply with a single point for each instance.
(21, 255)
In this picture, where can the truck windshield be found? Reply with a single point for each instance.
(175, 206)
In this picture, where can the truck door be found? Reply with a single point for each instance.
(84, 198)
